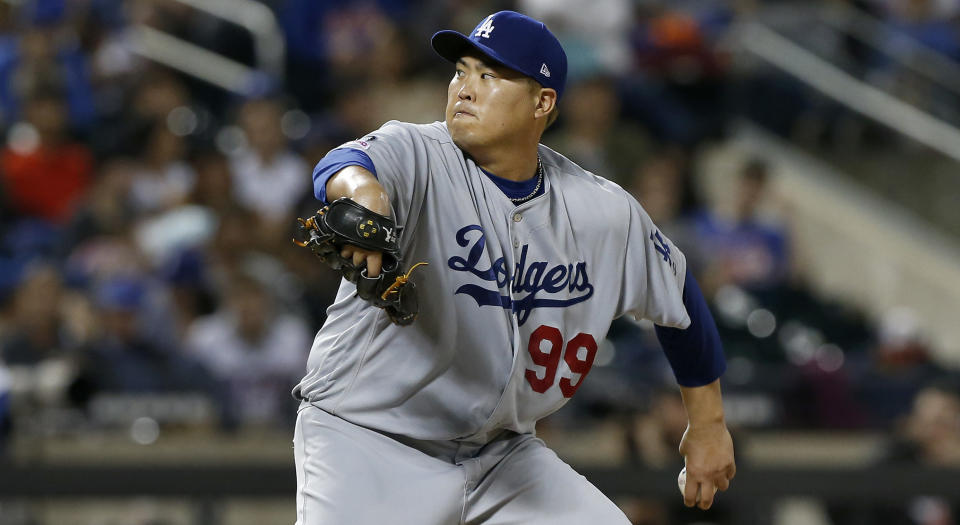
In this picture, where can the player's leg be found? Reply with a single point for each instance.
(350, 474)
(532, 486)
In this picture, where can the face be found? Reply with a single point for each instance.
(489, 105)
(48, 115)
(250, 307)
(261, 122)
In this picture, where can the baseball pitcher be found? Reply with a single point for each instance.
(481, 270)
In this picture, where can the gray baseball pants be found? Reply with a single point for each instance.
(351, 475)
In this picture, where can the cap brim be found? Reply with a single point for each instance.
(452, 45)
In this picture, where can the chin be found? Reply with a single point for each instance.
(461, 137)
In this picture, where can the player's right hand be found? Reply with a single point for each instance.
(707, 450)
(372, 259)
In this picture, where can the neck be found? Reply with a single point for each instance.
(515, 164)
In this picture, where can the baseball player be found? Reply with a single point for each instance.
(419, 404)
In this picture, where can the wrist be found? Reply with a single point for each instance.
(360, 186)
(702, 421)
(704, 405)
(374, 198)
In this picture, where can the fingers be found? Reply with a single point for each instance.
(359, 257)
(723, 484)
(707, 491)
(373, 260)
(700, 490)
(690, 492)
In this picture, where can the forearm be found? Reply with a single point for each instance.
(695, 353)
(361, 186)
(704, 404)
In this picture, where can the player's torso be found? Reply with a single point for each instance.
(513, 305)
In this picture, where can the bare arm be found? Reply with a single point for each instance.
(362, 187)
(706, 446)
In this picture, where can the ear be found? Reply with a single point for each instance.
(546, 101)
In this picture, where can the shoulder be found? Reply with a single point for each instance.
(603, 196)
(396, 130)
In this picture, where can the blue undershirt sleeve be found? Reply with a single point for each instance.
(333, 162)
(695, 353)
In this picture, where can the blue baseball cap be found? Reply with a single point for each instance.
(515, 40)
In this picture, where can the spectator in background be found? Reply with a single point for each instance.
(188, 290)
(748, 249)
(329, 43)
(46, 53)
(661, 185)
(269, 178)
(930, 22)
(37, 332)
(678, 90)
(234, 250)
(255, 351)
(163, 180)
(39, 347)
(930, 434)
(593, 31)
(654, 432)
(593, 135)
(123, 359)
(43, 172)
(214, 183)
(107, 209)
(897, 367)
(149, 100)
(394, 92)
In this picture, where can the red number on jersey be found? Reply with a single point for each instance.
(577, 365)
(550, 360)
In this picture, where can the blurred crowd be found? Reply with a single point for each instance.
(146, 215)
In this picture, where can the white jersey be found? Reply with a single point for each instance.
(513, 303)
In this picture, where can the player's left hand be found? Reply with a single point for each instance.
(707, 449)
(362, 246)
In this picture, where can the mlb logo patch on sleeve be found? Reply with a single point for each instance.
(363, 143)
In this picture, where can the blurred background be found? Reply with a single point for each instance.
(154, 315)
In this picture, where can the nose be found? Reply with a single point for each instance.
(466, 91)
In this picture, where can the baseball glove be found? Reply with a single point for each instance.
(345, 222)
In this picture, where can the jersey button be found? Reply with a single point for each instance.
(517, 217)
(516, 243)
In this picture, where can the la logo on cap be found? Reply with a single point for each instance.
(485, 28)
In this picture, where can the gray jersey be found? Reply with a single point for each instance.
(513, 303)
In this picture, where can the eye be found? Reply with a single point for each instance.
(487, 75)
(459, 73)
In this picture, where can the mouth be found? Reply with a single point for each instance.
(462, 113)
